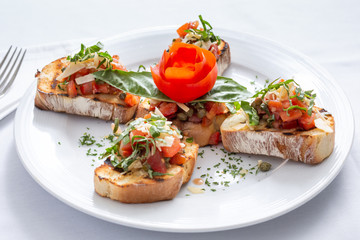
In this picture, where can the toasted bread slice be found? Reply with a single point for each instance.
(311, 146)
(224, 59)
(50, 97)
(200, 134)
(137, 187)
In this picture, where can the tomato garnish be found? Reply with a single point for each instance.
(291, 115)
(186, 72)
(178, 159)
(131, 100)
(290, 125)
(214, 138)
(157, 163)
(168, 109)
(190, 25)
(126, 150)
(307, 122)
(171, 151)
(87, 88)
(275, 106)
(71, 89)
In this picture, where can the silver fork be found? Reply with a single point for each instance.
(11, 68)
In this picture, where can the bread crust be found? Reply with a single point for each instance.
(50, 97)
(136, 187)
(310, 147)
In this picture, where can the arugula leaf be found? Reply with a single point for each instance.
(251, 112)
(142, 84)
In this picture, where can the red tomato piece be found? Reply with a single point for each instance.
(275, 106)
(167, 108)
(156, 162)
(71, 89)
(307, 122)
(292, 115)
(214, 138)
(290, 125)
(178, 159)
(171, 151)
(87, 88)
(181, 30)
(101, 88)
(131, 100)
(126, 150)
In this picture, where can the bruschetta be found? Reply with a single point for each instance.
(204, 37)
(67, 85)
(149, 161)
(281, 121)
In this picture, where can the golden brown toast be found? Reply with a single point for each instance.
(138, 187)
(50, 97)
(311, 146)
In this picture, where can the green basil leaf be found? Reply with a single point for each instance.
(251, 112)
(142, 84)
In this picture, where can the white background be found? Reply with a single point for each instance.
(326, 31)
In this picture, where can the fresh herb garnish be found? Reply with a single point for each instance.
(87, 139)
(206, 33)
(251, 112)
(86, 53)
(189, 140)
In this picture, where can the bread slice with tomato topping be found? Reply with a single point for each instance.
(204, 37)
(281, 122)
(199, 121)
(137, 187)
(67, 86)
(149, 161)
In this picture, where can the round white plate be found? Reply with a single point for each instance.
(48, 146)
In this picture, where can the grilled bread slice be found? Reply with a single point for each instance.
(138, 187)
(311, 146)
(201, 134)
(50, 97)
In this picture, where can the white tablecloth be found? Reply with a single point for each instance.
(327, 31)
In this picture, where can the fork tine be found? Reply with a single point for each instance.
(7, 65)
(2, 62)
(9, 83)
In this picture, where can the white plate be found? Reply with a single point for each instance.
(47, 143)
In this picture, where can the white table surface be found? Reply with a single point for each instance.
(327, 31)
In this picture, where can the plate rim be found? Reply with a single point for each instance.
(157, 30)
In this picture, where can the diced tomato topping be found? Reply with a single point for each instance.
(276, 124)
(101, 88)
(215, 50)
(205, 122)
(190, 25)
(147, 116)
(290, 125)
(214, 138)
(71, 89)
(292, 115)
(275, 106)
(87, 88)
(215, 107)
(136, 132)
(116, 63)
(178, 159)
(171, 151)
(296, 101)
(157, 163)
(307, 122)
(131, 100)
(168, 109)
(113, 90)
(126, 150)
